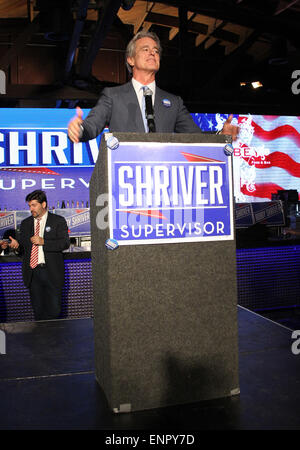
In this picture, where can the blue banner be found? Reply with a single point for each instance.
(163, 192)
(35, 153)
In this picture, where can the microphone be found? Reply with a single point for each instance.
(149, 110)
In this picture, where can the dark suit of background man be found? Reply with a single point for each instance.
(43, 263)
(120, 108)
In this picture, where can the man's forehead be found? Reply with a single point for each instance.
(33, 202)
(146, 42)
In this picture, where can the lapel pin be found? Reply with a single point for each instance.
(166, 102)
(111, 244)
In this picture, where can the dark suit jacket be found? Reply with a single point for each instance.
(118, 108)
(56, 240)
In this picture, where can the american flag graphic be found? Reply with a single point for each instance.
(266, 154)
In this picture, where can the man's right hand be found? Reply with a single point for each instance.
(74, 130)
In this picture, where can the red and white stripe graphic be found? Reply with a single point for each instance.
(268, 157)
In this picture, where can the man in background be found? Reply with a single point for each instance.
(5, 241)
(3, 245)
(43, 237)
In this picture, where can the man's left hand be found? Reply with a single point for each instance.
(230, 129)
(37, 240)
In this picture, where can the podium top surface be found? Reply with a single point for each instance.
(173, 137)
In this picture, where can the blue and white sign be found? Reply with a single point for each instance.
(35, 153)
(78, 220)
(169, 192)
(7, 222)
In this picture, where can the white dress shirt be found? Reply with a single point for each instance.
(139, 91)
(43, 220)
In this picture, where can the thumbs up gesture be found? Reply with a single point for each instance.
(229, 128)
(74, 130)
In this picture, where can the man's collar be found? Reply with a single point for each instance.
(137, 85)
(44, 216)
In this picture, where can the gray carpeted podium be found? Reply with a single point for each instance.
(165, 315)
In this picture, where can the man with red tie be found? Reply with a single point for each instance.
(43, 237)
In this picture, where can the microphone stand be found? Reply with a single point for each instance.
(149, 110)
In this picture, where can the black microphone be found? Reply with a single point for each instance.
(149, 110)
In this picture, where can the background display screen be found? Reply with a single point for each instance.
(35, 153)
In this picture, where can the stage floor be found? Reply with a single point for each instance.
(47, 382)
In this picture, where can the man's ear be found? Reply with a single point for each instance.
(130, 61)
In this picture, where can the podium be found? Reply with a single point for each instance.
(165, 296)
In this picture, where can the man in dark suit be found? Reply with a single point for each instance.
(121, 108)
(43, 237)
(3, 245)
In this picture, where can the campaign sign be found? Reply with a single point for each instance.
(78, 220)
(169, 192)
(244, 217)
(20, 216)
(7, 222)
(269, 213)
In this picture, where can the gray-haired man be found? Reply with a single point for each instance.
(121, 108)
